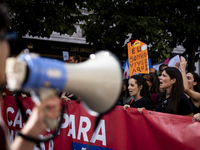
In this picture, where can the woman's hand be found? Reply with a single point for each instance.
(140, 110)
(126, 106)
(23, 95)
(183, 63)
(177, 65)
(3, 94)
(64, 98)
(197, 117)
(134, 74)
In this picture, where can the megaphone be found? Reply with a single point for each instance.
(98, 80)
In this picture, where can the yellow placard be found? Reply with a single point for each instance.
(138, 57)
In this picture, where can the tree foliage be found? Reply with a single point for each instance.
(161, 24)
(182, 20)
(42, 17)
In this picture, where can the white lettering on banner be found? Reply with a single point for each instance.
(72, 130)
(68, 121)
(51, 144)
(48, 130)
(96, 136)
(18, 121)
(42, 146)
(11, 135)
(36, 148)
(28, 112)
(84, 130)
(65, 124)
(9, 109)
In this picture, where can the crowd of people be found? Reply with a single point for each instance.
(171, 91)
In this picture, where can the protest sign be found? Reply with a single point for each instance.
(138, 57)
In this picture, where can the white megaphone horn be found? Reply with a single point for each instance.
(98, 80)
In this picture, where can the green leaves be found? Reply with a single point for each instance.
(41, 18)
(162, 25)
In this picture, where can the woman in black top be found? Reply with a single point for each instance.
(173, 100)
(191, 82)
(139, 88)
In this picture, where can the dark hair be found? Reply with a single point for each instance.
(176, 91)
(76, 57)
(126, 92)
(4, 17)
(145, 87)
(155, 71)
(162, 65)
(153, 78)
(196, 79)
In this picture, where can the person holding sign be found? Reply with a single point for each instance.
(139, 88)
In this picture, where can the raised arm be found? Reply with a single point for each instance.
(193, 94)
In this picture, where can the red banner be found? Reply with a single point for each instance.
(118, 129)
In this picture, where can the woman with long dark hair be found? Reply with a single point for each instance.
(153, 82)
(124, 94)
(139, 89)
(191, 82)
(173, 100)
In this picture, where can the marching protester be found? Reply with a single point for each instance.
(65, 96)
(191, 83)
(36, 124)
(74, 58)
(124, 97)
(161, 68)
(153, 70)
(173, 100)
(153, 82)
(139, 89)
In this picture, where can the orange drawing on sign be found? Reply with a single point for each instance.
(138, 57)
